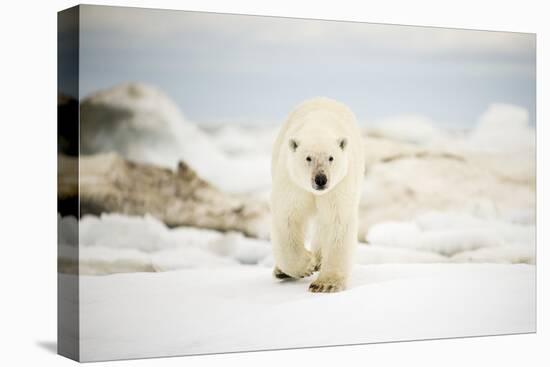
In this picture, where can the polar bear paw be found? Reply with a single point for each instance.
(310, 268)
(305, 269)
(327, 286)
(279, 274)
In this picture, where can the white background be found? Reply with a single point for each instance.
(28, 182)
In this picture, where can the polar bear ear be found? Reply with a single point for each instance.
(342, 143)
(293, 144)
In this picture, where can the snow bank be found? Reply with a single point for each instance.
(406, 187)
(99, 260)
(460, 235)
(502, 254)
(375, 254)
(503, 128)
(490, 170)
(430, 197)
(413, 168)
(115, 243)
(141, 123)
(233, 309)
(146, 233)
(414, 129)
(236, 140)
(487, 163)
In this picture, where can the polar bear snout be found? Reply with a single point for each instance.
(320, 181)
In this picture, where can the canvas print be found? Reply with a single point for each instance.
(231, 183)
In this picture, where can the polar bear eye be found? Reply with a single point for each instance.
(308, 158)
(330, 159)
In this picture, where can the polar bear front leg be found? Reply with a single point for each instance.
(338, 232)
(317, 246)
(292, 259)
(289, 221)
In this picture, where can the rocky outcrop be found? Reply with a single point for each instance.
(405, 180)
(109, 183)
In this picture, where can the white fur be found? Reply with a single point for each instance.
(317, 128)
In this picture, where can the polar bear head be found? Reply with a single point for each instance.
(317, 162)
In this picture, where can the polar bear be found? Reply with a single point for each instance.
(317, 169)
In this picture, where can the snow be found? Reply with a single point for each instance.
(447, 230)
(141, 123)
(489, 171)
(503, 128)
(237, 140)
(195, 311)
(414, 129)
(116, 243)
(452, 234)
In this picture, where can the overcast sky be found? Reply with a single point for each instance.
(246, 69)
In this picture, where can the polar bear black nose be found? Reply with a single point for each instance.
(320, 181)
